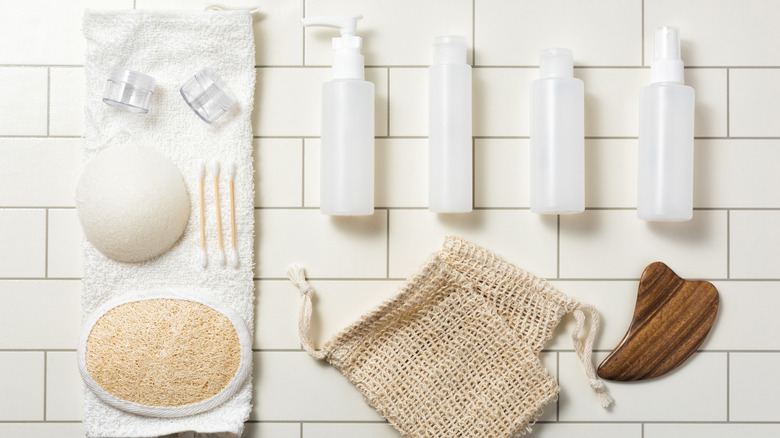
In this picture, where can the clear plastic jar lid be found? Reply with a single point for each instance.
(129, 90)
(207, 95)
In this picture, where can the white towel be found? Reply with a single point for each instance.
(172, 47)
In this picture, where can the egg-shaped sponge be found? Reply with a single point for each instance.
(132, 203)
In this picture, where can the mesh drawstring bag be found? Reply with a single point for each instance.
(456, 352)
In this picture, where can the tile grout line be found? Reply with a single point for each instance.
(46, 248)
(303, 172)
(558, 377)
(728, 243)
(728, 386)
(45, 379)
(643, 430)
(558, 250)
(301, 430)
(728, 103)
(48, 101)
(303, 34)
(388, 102)
(643, 34)
(387, 245)
(473, 32)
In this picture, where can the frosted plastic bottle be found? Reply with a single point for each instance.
(666, 109)
(347, 131)
(557, 136)
(449, 128)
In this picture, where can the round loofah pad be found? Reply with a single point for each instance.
(132, 203)
(164, 356)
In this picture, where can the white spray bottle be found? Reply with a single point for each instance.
(666, 108)
(347, 131)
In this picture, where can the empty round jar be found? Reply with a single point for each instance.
(207, 95)
(129, 90)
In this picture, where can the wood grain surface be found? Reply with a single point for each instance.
(671, 320)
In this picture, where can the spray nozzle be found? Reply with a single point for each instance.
(347, 60)
(667, 65)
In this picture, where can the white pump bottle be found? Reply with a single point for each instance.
(557, 136)
(666, 110)
(347, 131)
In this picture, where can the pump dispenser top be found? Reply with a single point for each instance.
(667, 65)
(347, 60)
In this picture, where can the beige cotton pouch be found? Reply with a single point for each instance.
(456, 352)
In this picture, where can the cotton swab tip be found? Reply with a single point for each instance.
(202, 170)
(234, 258)
(214, 168)
(231, 170)
(204, 259)
(221, 258)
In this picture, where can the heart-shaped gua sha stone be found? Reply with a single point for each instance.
(671, 320)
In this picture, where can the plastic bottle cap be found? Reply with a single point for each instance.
(449, 50)
(667, 65)
(348, 63)
(556, 63)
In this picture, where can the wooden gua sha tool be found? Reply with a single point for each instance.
(671, 320)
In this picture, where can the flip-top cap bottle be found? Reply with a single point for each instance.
(666, 112)
(557, 136)
(449, 127)
(347, 131)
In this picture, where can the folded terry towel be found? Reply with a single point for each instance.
(172, 47)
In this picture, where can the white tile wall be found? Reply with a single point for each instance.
(732, 49)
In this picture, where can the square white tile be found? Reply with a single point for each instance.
(753, 386)
(328, 246)
(297, 387)
(63, 387)
(48, 31)
(754, 99)
(276, 315)
(703, 39)
(278, 172)
(611, 173)
(22, 381)
(38, 172)
(501, 101)
(601, 32)
(23, 108)
(39, 314)
(502, 173)
(66, 107)
(615, 244)
(694, 392)
(394, 33)
(23, 243)
(736, 174)
(409, 102)
(755, 244)
(524, 238)
(741, 302)
(65, 239)
(42, 430)
(338, 430)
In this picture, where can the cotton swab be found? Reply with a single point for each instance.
(231, 170)
(215, 173)
(203, 257)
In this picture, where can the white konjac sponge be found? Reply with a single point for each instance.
(132, 203)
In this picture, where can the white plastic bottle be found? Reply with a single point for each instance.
(557, 136)
(347, 131)
(666, 108)
(449, 127)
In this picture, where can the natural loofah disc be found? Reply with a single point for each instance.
(132, 203)
(163, 352)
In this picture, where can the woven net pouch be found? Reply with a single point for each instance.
(456, 352)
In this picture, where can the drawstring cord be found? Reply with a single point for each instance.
(585, 351)
(297, 276)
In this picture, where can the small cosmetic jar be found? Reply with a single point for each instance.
(129, 90)
(207, 95)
